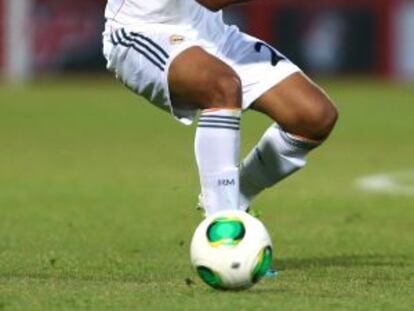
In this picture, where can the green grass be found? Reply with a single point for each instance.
(97, 196)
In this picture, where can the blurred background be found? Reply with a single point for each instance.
(329, 37)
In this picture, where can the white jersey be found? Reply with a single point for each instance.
(171, 12)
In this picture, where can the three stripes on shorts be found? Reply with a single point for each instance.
(154, 53)
(219, 122)
(143, 45)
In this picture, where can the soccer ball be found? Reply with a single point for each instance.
(231, 250)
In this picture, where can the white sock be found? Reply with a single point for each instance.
(217, 150)
(277, 155)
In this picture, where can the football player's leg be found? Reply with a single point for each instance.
(305, 117)
(197, 79)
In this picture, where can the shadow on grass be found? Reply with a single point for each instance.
(371, 260)
(280, 264)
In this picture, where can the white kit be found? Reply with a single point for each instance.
(143, 37)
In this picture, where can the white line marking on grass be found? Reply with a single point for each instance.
(397, 183)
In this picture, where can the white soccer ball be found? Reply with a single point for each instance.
(231, 250)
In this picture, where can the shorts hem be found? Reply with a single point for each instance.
(268, 84)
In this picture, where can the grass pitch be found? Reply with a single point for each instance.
(97, 196)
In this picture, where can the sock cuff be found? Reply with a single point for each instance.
(225, 110)
(222, 118)
(298, 141)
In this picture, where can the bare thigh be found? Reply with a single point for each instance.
(300, 107)
(199, 80)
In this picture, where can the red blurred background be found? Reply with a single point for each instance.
(371, 37)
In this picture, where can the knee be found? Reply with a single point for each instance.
(224, 90)
(321, 120)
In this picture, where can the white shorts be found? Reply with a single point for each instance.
(140, 58)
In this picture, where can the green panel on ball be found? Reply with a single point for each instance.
(225, 231)
(263, 264)
(209, 277)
